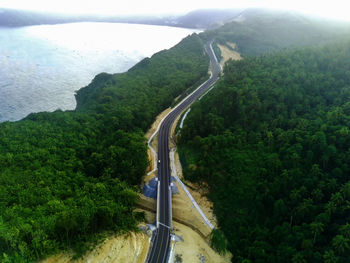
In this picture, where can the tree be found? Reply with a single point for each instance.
(298, 258)
(316, 228)
(276, 169)
(345, 230)
(330, 257)
(340, 244)
(218, 241)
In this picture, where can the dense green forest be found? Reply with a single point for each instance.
(137, 96)
(67, 177)
(258, 31)
(271, 142)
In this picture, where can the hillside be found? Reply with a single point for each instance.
(14, 18)
(207, 18)
(272, 143)
(196, 19)
(258, 31)
(67, 177)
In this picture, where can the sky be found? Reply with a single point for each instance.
(324, 8)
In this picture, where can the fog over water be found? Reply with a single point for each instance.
(41, 67)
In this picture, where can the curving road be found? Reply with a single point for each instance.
(161, 240)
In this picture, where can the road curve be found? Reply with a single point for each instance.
(161, 241)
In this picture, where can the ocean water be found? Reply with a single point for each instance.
(41, 67)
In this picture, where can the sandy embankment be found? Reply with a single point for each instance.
(129, 248)
(228, 53)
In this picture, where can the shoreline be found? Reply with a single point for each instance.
(55, 80)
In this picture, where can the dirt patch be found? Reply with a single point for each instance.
(177, 98)
(147, 203)
(128, 248)
(194, 248)
(156, 123)
(228, 53)
(151, 161)
(172, 139)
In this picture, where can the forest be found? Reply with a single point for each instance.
(68, 178)
(271, 144)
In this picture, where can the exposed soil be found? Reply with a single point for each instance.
(128, 248)
(228, 53)
(194, 248)
(184, 209)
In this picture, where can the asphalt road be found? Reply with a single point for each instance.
(160, 249)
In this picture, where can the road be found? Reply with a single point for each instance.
(160, 249)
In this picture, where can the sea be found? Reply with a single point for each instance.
(41, 67)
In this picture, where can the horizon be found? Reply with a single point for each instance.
(336, 9)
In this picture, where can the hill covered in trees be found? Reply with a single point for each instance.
(204, 18)
(67, 177)
(271, 142)
(207, 18)
(258, 31)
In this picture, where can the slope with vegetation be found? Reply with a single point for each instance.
(66, 177)
(258, 31)
(272, 143)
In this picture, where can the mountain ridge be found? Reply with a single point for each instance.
(203, 18)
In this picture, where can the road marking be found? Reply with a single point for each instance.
(164, 225)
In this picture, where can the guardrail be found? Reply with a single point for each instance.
(206, 220)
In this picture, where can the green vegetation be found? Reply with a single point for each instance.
(137, 96)
(67, 177)
(258, 31)
(272, 142)
(218, 241)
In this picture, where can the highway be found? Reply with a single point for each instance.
(159, 252)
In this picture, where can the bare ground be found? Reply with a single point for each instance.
(227, 53)
(128, 248)
(194, 248)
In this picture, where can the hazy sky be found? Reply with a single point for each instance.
(334, 9)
